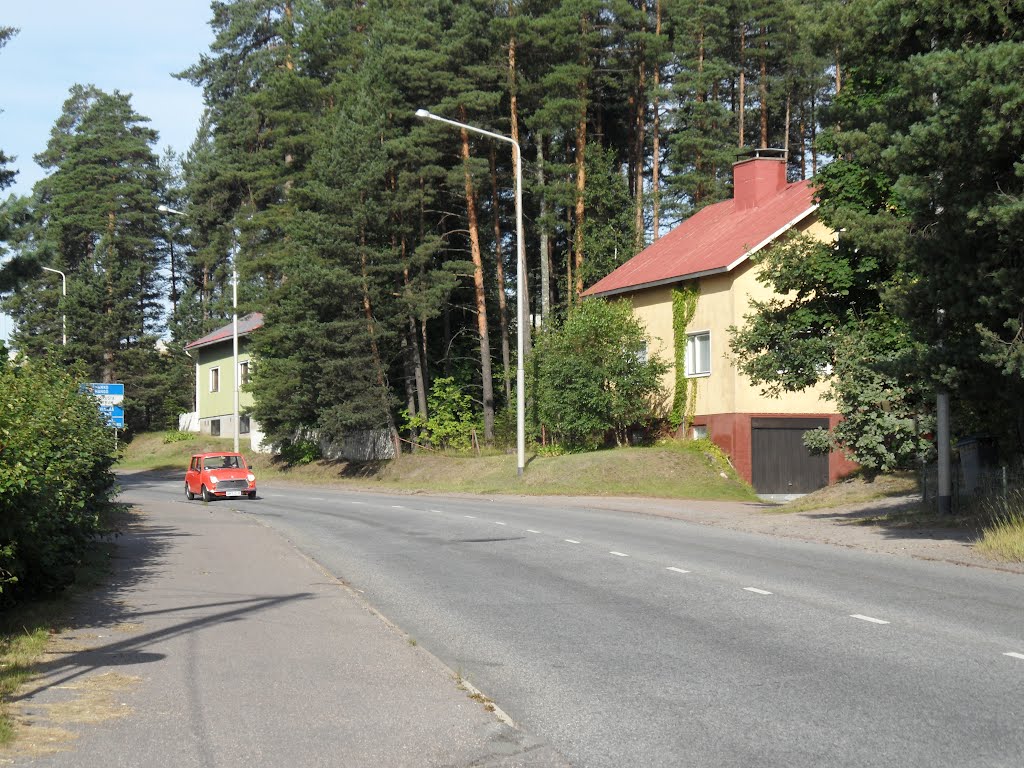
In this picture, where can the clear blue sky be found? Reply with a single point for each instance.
(128, 45)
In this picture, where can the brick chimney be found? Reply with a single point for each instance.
(758, 177)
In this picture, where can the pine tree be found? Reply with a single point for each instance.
(94, 217)
(6, 174)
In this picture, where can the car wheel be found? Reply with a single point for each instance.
(252, 494)
(188, 493)
(207, 496)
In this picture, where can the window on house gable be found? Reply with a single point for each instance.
(243, 372)
(215, 379)
(698, 354)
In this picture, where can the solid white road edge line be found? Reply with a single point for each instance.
(618, 554)
(471, 517)
(437, 511)
(572, 541)
(1014, 655)
(530, 530)
(757, 591)
(677, 570)
(867, 618)
(497, 523)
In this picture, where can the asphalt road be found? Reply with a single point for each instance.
(624, 639)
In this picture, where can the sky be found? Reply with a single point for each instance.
(128, 45)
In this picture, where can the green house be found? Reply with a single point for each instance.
(216, 381)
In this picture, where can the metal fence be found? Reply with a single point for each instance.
(973, 485)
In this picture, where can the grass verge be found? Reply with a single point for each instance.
(26, 629)
(674, 469)
(1002, 538)
(854, 490)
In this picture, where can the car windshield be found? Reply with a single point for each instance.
(221, 462)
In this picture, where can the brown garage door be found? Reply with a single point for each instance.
(780, 462)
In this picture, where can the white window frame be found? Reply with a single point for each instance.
(243, 372)
(215, 379)
(693, 367)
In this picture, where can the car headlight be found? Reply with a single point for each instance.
(213, 479)
(251, 477)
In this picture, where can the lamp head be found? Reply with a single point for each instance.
(422, 113)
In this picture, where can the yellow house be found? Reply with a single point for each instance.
(216, 381)
(709, 254)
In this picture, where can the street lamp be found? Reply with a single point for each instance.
(517, 159)
(63, 295)
(234, 329)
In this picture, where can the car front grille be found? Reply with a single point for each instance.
(232, 485)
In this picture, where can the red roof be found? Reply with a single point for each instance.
(246, 325)
(715, 239)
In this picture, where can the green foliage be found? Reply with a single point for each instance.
(883, 407)
(594, 376)
(299, 452)
(609, 233)
(684, 397)
(55, 477)
(6, 174)
(94, 217)
(177, 436)
(452, 422)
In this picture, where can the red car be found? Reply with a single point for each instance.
(222, 474)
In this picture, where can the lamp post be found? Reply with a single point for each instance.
(517, 159)
(63, 296)
(234, 331)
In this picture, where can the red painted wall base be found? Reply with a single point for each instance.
(732, 433)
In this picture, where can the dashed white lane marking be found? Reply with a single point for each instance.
(868, 618)
(572, 541)
(497, 523)
(757, 591)
(357, 502)
(677, 570)
(1014, 655)
(530, 530)
(437, 511)
(397, 506)
(314, 498)
(471, 517)
(618, 554)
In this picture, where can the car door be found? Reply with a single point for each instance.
(192, 475)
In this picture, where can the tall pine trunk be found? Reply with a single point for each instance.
(743, 95)
(371, 330)
(522, 276)
(545, 258)
(581, 187)
(656, 137)
(762, 87)
(499, 260)
(640, 138)
(487, 380)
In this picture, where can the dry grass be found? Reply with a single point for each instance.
(854, 490)
(1002, 538)
(27, 632)
(680, 469)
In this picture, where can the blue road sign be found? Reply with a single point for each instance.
(114, 414)
(109, 398)
(106, 389)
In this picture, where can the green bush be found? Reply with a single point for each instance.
(593, 376)
(299, 452)
(177, 436)
(452, 420)
(55, 478)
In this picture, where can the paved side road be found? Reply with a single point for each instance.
(219, 644)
